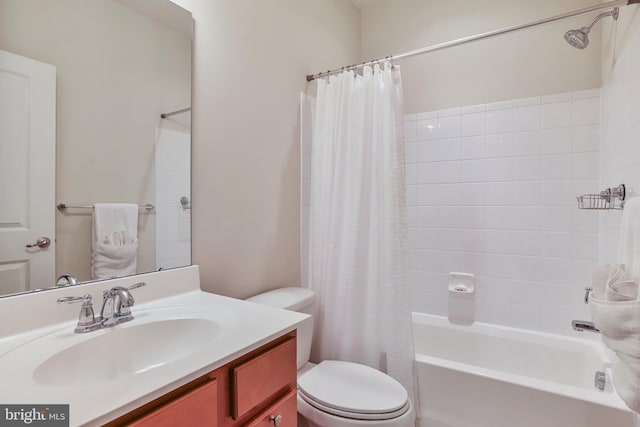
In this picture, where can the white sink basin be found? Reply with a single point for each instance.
(128, 351)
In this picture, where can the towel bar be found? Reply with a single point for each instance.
(63, 206)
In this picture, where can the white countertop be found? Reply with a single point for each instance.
(240, 327)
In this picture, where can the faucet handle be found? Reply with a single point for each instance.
(68, 300)
(86, 319)
(108, 292)
(137, 285)
(129, 301)
(126, 304)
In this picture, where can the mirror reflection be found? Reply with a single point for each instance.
(84, 84)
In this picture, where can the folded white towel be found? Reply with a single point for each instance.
(615, 311)
(119, 238)
(114, 242)
(626, 378)
(619, 323)
(613, 282)
(114, 260)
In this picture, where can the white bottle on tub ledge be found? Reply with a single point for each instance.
(462, 292)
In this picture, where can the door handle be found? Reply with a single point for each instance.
(43, 242)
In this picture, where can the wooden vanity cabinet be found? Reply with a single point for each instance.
(257, 385)
(257, 389)
(198, 407)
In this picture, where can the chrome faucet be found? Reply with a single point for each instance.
(66, 280)
(116, 308)
(583, 325)
(116, 305)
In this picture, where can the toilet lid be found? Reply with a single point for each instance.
(352, 388)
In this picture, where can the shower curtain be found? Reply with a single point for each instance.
(358, 223)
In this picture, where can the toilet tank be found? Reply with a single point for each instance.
(297, 299)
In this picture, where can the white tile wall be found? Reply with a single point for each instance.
(173, 180)
(491, 191)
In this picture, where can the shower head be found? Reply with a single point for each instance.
(577, 38)
(580, 38)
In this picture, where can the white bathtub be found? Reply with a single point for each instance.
(490, 376)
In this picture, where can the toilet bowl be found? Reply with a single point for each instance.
(336, 393)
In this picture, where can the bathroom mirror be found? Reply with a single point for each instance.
(119, 65)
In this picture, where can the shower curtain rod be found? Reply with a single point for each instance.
(184, 110)
(482, 36)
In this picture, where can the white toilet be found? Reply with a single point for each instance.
(335, 393)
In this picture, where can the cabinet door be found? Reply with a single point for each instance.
(199, 407)
(263, 377)
(283, 413)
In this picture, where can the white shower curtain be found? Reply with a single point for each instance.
(358, 223)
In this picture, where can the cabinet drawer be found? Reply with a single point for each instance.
(286, 409)
(261, 378)
(199, 407)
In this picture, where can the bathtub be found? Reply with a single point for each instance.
(490, 376)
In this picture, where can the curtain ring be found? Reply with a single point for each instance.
(390, 59)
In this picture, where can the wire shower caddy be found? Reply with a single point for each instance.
(611, 198)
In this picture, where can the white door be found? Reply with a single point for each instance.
(27, 173)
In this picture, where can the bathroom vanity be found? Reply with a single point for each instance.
(258, 389)
(187, 358)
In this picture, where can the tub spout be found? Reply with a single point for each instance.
(583, 325)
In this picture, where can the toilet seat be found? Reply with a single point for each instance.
(354, 415)
(351, 390)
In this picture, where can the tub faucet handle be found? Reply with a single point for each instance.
(587, 291)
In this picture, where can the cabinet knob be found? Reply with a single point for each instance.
(276, 420)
